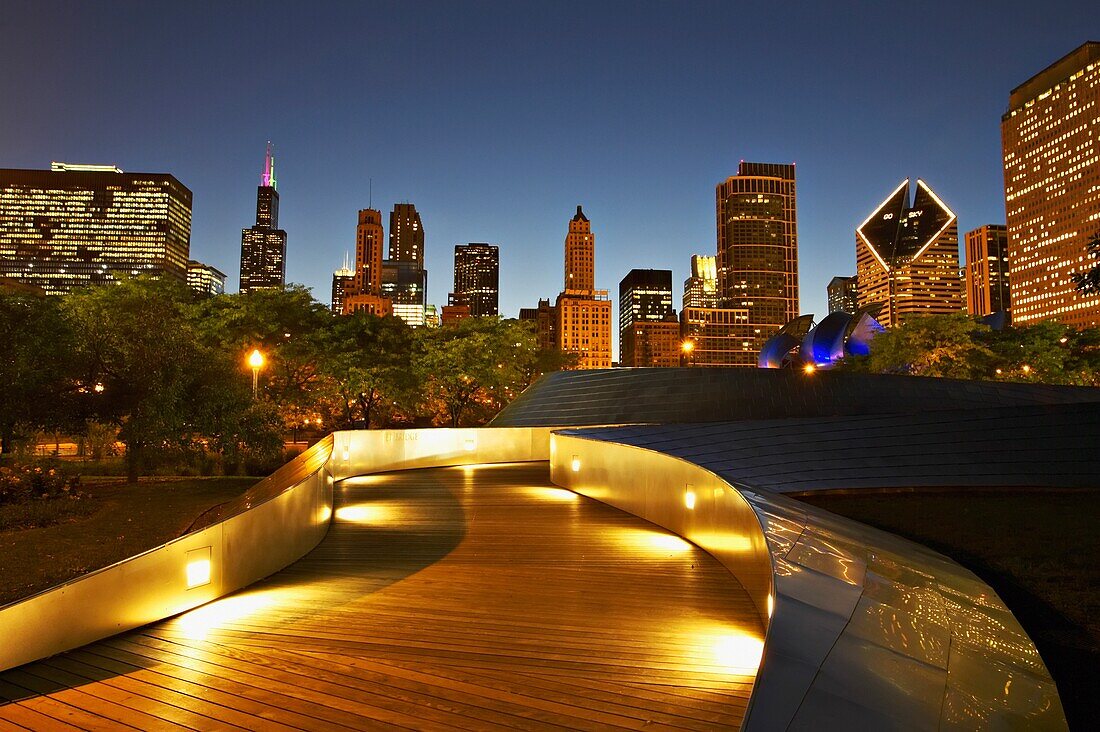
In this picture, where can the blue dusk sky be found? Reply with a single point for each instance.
(497, 118)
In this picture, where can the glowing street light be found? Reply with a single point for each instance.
(809, 368)
(687, 347)
(256, 361)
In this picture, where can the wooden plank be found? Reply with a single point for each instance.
(440, 599)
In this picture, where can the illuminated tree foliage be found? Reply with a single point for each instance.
(167, 369)
(956, 346)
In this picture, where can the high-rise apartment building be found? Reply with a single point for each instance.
(343, 284)
(907, 257)
(843, 295)
(205, 279)
(263, 246)
(1050, 137)
(406, 234)
(986, 271)
(757, 258)
(701, 288)
(76, 225)
(644, 295)
(583, 313)
(477, 278)
(580, 254)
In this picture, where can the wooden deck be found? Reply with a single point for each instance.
(476, 598)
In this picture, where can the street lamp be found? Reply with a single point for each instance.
(256, 361)
(688, 349)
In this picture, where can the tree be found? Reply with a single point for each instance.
(136, 341)
(1088, 282)
(470, 369)
(933, 345)
(287, 325)
(366, 364)
(959, 347)
(35, 374)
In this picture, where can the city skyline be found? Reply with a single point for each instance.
(651, 167)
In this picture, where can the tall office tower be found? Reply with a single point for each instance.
(404, 284)
(368, 252)
(545, 321)
(907, 257)
(263, 247)
(758, 252)
(843, 295)
(580, 254)
(343, 284)
(583, 313)
(644, 295)
(205, 279)
(406, 235)
(77, 225)
(1051, 141)
(986, 270)
(701, 288)
(477, 278)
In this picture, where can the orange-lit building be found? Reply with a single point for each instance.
(907, 257)
(986, 270)
(1050, 137)
(369, 239)
(584, 327)
(583, 313)
(757, 260)
(651, 343)
(373, 304)
(451, 314)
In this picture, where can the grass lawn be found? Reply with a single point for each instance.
(114, 521)
(1039, 549)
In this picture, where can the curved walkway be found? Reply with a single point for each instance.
(474, 598)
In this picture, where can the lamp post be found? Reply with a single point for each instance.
(688, 349)
(256, 361)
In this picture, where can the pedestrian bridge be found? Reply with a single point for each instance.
(519, 577)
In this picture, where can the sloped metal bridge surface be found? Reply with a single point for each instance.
(478, 597)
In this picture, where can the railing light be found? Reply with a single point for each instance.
(689, 498)
(198, 567)
(576, 464)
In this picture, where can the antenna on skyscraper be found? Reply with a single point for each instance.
(370, 193)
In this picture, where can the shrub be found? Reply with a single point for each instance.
(25, 483)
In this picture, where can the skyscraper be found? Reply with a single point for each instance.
(205, 279)
(583, 313)
(77, 225)
(1051, 142)
(343, 284)
(907, 257)
(986, 270)
(406, 235)
(544, 319)
(363, 291)
(580, 254)
(757, 258)
(843, 295)
(644, 295)
(368, 252)
(477, 278)
(701, 288)
(263, 246)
